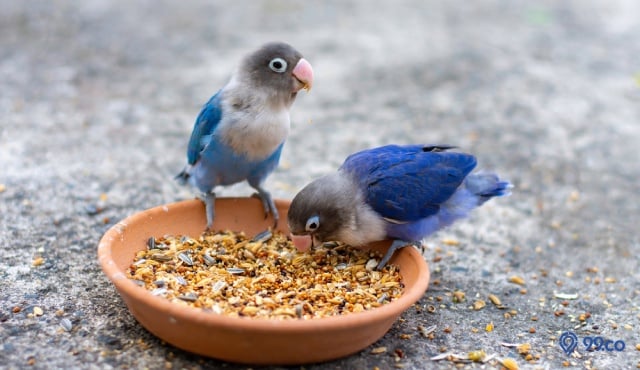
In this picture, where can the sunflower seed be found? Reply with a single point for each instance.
(262, 237)
(159, 291)
(382, 298)
(184, 257)
(159, 283)
(218, 285)
(235, 270)
(138, 282)
(189, 297)
(208, 259)
(66, 324)
(180, 280)
(329, 244)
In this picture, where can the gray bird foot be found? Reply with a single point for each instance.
(209, 205)
(397, 244)
(269, 205)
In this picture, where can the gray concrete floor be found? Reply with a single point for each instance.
(98, 99)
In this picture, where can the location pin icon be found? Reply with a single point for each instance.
(568, 342)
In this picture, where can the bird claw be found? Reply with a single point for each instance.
(209, 204)
(397, 244)
(269, 207)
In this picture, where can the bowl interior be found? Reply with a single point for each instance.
(246, 340)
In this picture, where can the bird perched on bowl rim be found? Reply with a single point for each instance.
(240, 132)
(404, 193)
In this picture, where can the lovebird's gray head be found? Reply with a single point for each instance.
(321, 209)
(332, 208)
(279, 67)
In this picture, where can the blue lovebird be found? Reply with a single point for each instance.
(240, 131)
(404, 193)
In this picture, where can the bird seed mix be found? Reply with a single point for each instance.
(267, 277)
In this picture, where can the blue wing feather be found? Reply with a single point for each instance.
(408, 183)
(204, 126)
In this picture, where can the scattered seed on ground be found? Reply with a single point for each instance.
(516, 280)
(378, 350)
(450, 241)
(509, 363)
(425, 332)
(566, 296)
(37, 261)
(458, 296)
(495, 300)
(489, 327)
(66, 324)
(524, 348)
(477, 356)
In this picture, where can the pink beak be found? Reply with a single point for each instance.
(301, 242)
(304, 74)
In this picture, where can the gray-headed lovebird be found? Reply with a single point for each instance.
(404, 193)
(240, 131)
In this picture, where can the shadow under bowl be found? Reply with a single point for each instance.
(255, 341)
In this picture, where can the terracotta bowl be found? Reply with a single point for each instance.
(245, 340)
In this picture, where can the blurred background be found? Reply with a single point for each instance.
(98, 99)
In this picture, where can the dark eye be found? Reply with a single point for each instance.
(278, 65)
(312, 224)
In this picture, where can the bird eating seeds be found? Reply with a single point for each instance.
(400, 192)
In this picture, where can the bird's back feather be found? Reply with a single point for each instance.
(408, 183)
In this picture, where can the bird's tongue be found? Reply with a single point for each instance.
(301, 242)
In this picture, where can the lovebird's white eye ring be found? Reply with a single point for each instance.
(313, 223)
(278, 65)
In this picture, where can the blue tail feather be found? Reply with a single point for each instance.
(503, 188)
(182, 177)
(487, 185)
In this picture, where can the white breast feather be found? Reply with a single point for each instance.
(256, 131)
